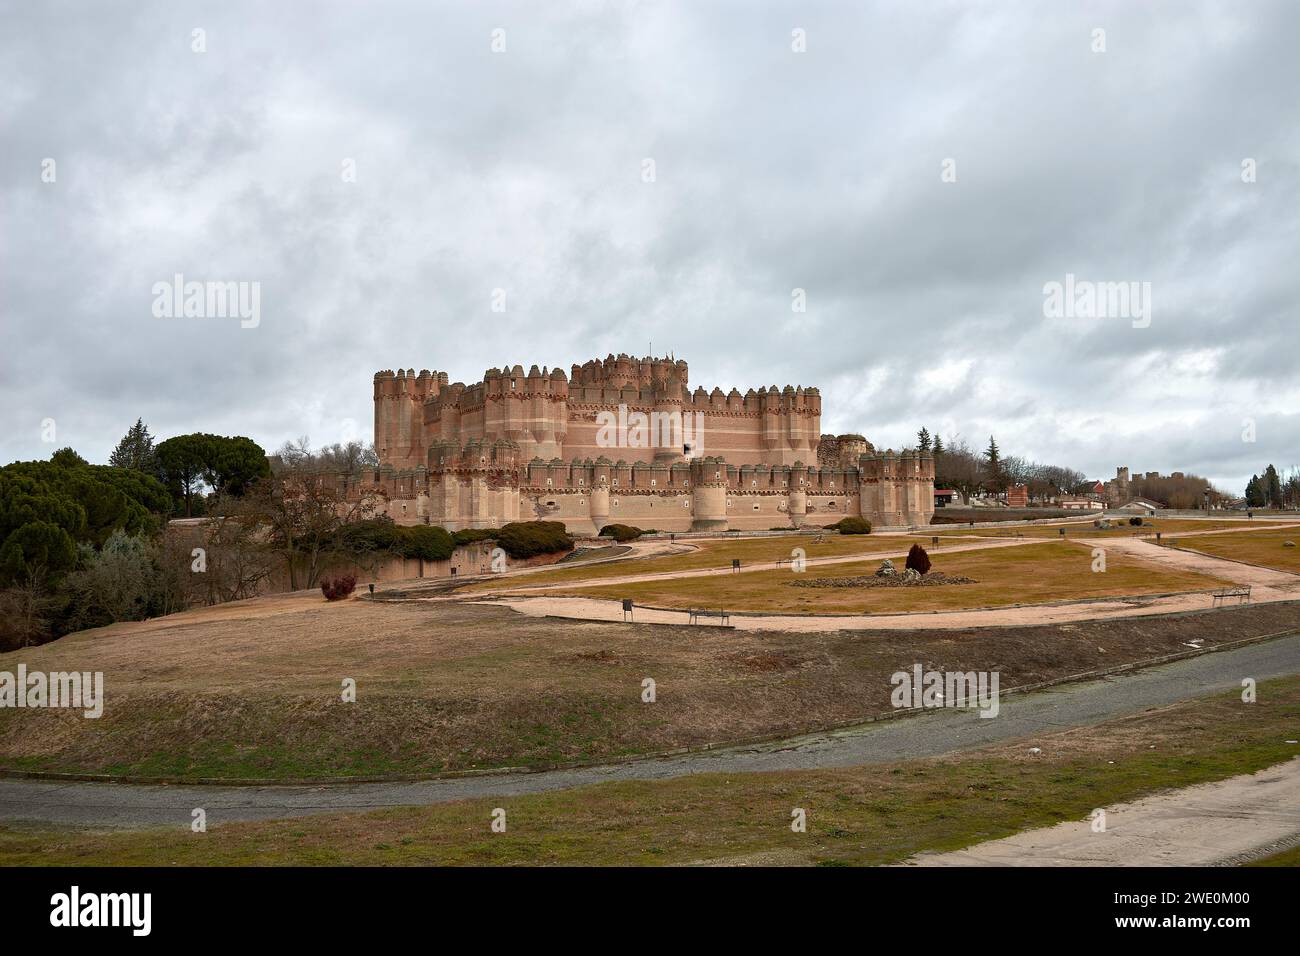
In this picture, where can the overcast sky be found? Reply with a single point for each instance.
(773, 170)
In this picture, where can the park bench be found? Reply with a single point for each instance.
(695, 615)
(1237, 591)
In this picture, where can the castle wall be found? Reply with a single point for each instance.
(524, 446)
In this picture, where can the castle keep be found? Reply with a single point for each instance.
(626, 441)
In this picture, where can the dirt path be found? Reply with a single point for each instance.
(1036, 716)
(1266, 586)
(1226, 822)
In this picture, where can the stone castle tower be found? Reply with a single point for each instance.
(625, 440)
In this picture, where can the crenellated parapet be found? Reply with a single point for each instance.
(627, 432)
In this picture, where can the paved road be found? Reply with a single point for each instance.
(108, 804)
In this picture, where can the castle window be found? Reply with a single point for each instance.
(615, 482)
(550, 482)
(652, 482)
(755, 507)
(513, 383)
(581, 482)
(615, 502)
(550, 504)
(686, 502)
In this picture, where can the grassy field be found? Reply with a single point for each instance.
(1025, 574)
(868, 815)
(253, 690)
(1076, 529)
(1255, 547)
(715, 554)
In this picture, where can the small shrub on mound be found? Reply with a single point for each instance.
(621, 532)
(1135, 521)
(337, 589)
(851, 526)
(525, 539)
(918, 560)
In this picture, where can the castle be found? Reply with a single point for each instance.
(625, 441)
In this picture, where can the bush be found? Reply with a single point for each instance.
(621, 532)
(1135, 522)
(426, 541)
(918, 560)
(525, 539)
(337, 589)
(470, 535)
(429, 542)
(851, 526)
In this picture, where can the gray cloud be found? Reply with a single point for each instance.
(775, 170)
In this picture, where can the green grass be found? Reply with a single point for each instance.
(866, 815)
(1289, 857)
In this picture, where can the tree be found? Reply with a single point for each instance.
(993, 462)
(227, 465)
(119, 582)
(1254, 494)
(923, 439)
(181, 462)
(305, 518)
(938, 445)
(1271, 487)
(135, 450)
(67, 458)
(36, 550)
(348, 459)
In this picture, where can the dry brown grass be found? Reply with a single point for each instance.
(1264, 548)
(715, 554)
(1079, 529)
(1028, 574)
(857, 815)
(236, 692)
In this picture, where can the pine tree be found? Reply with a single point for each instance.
(923, 439)
(1254, 497)
(1271, 488)
(993, 459)
(938, 445)
(135, 450)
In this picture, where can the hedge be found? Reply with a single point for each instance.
(851, 525)
(525, 539)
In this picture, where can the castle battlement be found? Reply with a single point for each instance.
(627, 433)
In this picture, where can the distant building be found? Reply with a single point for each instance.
(1141, 505)
(1018, 496)
(1081, 504)
(944, 497)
